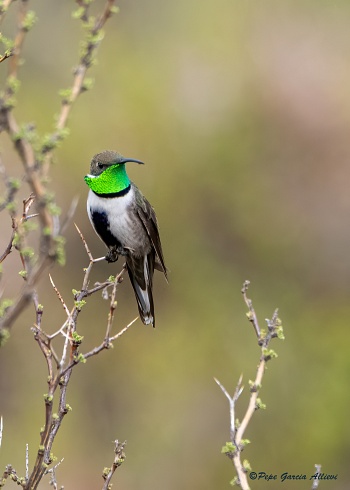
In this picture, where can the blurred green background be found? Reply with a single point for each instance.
(241, 111)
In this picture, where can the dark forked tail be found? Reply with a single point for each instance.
(141, 271)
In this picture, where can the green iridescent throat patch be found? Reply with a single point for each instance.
(113, 179)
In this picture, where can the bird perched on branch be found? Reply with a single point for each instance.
(126, 222)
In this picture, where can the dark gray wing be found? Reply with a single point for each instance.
(149, 220)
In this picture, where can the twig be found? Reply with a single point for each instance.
(316, 481)
(11, 186)
(59, 376)
(118, 461)
(234, 448)
(79, 77)
(27, 203)
(8, 249)
(1, 429)
(69, 216)
(27, 462)
(19, 39)
(60, 297)
(4, 9)
(52, 471)
(35, 173)
(105, 345)
(251, 313)
(232, 401)
(5, 56)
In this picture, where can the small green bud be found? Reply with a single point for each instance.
(246, 465)
(52, 458)
(13, 84)
(87, 84)
(11, 207)
(279, 332)
(250, 315)
(60, 253)
(244, 442)
(80, 358)
(16, 240)
(79, 304)
(48, 398)
(14, 183)
(268, 354)
(65, 94)
(228, 448)
(23, 274)
(29, 20)
(29, 225)
(260, 404)
(28, 252)
(4, 336)
(78, 13)
(54, 210)
(5, 305)
(77, 339)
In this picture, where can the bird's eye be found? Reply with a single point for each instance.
(100, 165)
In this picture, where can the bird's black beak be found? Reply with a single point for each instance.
(125, 160)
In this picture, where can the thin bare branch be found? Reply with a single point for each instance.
(27, 461)
(8, 249)
(232, 402)
(118, 461)
(316, 480)
(19, 39)
(84, 243)
(59, 297)
(1, 429)
(52, 472)
(4, 8)
(251, 313)
(237, 429)
(69, 216)
(5, 56)
(79, 77)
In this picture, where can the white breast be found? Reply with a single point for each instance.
(116, 206)
(130, 233)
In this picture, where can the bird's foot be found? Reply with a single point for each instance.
(114, 253)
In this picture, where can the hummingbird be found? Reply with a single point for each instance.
(126, 222)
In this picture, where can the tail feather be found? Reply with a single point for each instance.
(140, 270)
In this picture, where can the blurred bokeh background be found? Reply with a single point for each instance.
(241, 111)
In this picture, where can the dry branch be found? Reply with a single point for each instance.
(234, 448)
(60, 367)
(36, 159)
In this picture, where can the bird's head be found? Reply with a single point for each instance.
(101, 161)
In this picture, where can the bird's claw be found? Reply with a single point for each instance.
(114, 253)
